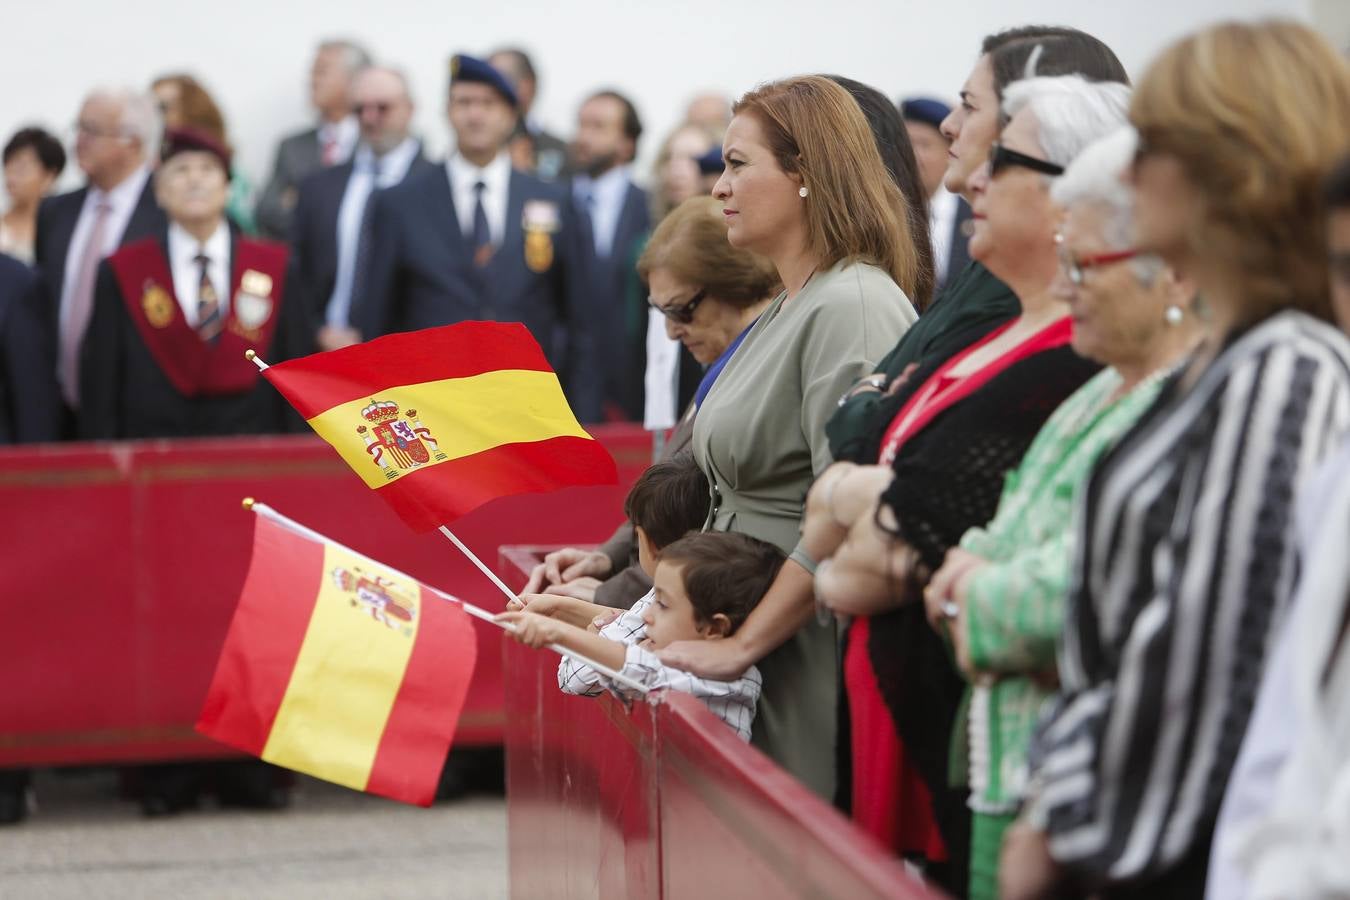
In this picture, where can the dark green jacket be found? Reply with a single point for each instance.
(969, 308)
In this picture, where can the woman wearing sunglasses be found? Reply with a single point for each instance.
(999, 596)
(710, 293)
(1188, 547)
(953, 430)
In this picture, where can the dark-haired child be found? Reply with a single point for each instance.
(704, 587)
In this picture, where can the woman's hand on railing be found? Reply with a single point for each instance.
(568, 564)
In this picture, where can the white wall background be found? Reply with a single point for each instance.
(254, 55)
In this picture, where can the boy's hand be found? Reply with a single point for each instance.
(531, 629)
(543, 604)
(582, 588)
(599, 622)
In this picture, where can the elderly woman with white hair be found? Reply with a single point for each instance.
(957, 426)
(1000, 594)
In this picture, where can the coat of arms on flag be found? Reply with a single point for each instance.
(443, 420)
(397, 445)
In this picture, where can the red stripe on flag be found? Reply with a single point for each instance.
(426, 711)
(436, 495)
(264, 639)
(317, 383)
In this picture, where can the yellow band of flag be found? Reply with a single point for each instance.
(414, 426)
(348, 673)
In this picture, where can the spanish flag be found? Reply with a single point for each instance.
(443, 420)
(339, 667)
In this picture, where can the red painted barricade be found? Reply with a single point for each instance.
(662, 801)
(123, 562)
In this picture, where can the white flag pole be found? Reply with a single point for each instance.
(263, 509)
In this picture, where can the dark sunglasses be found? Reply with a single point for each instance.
(1000, 158)
(684, 313)
(358, 109)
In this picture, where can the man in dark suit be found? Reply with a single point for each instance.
(328, 241)
(948, 213)
(30, 402)
(78, 229)
(476, 239)
(618, 218)
(533, 149)
(330, 143)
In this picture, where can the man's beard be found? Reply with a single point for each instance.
(599, 165)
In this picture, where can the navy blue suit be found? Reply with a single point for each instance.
(958, 257)
(621, 305)
(56, 220)
(421, 274)
(30, 401)
(314, 239)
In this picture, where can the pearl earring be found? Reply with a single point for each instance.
(802, 191)
(1173, 315)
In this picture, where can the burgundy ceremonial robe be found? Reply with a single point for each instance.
(146, 373)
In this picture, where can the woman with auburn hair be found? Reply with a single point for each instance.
(1187, 556)
(710, 294)
(184, 103)
(804, 186)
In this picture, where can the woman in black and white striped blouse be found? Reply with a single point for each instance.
(1186, 559)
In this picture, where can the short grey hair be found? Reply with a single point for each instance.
(1096, 178)
(354, 56)
(399, 75)
(139, 119)
(1071, 112)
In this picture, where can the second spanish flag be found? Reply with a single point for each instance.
(443, 420)
(340, 668)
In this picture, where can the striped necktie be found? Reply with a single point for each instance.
(209, 319)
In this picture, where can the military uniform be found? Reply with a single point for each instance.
(425, 270)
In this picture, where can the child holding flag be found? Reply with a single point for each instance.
(704, 587)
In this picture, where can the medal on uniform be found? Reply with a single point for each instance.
(157, 305)
(540, 220)
(253, 303)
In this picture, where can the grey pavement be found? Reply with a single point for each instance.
(86, 843)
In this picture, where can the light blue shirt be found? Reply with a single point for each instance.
(606, 195)
(368, 173)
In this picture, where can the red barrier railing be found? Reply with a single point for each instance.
(660, 800)
(122, 564)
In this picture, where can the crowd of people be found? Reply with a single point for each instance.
(1062, 602)
(1006, 508)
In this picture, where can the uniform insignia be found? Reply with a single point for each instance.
(252, 309)
(385, 601)
(395, 445)
(255, 282)
(157, 305)
(538, 250)
(540, 215)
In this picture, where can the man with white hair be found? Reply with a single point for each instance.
(114, 137)
(329, 143)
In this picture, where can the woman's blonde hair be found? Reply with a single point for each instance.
(691, 244)
(1257, 115)
(854, 211)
